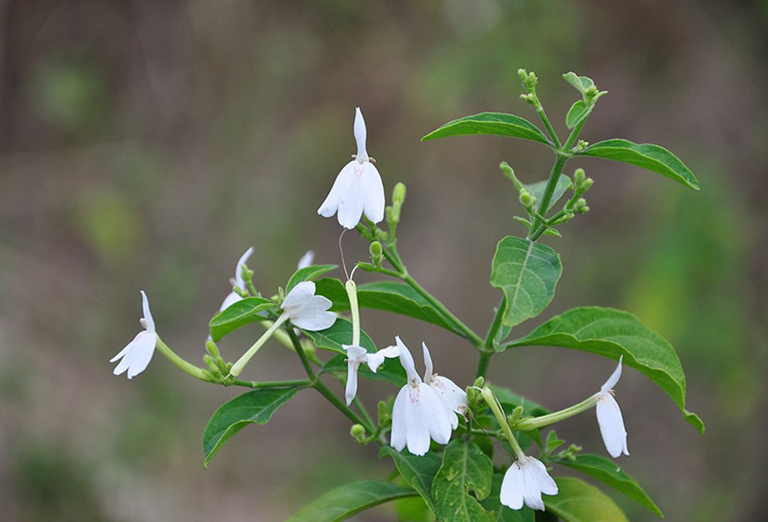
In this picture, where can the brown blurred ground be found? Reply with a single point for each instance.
(145, 145)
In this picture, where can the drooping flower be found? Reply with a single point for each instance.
(307, 310)
(306, 260)
(358, 188)
(418, 413)
(136, 356)
(233, 297)
(357, 355)
(609, 417)
(524, 482)
(454, 399)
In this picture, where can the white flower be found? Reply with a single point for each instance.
(306, 260)
(454, 399)
(358, 188)
(136, 356)
(307, 310)
(357, 355)
(524, 482)
(418, 413)
(232, 298)
(609, 417)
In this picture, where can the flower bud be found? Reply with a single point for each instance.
(376, 253)
(358, 433)
(515, 416)
(581, 206)
(398, 194)
(212, 349)
(210, 363)
(578, 177)
(384, 417)
(527, 199)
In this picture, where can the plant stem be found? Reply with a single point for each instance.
(490, 339)
(550, 129)
(242, 361)
(482, 365)
(273, 384)
(545, 420)
(498, 412)
(468, 333)
(354, 309)
(189, 368)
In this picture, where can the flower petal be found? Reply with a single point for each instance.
(611, 425)
(373, 193)
(352, 196)
(417, 432)
(406, 359)
(435, 415)
(375, 360)
(429, 371)
(398, 438)
(306, 260)
(538, 472)
(351, 389)
(453, 398)
(316, 321)
(340, 186)
(361, 133)
(239, 268)
(144, 350)
(147, 314)
(613, 379)
(512, 487)
(298, 295)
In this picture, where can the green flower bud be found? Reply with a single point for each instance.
(398, 194)
(479, 382)
(581, 206)
(515, 416)
(587, 185)
(358, 433)
(210, 363)
(527, 199)
(376, 253)
(578, 177)
(383, 414)
(523, 74)
(212, 349)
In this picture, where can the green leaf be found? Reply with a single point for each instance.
(613, 333)
(389, 296)
(253, 407)
(309, 273)
(504, 514)
(465, 469)
(580, 83)
(418, 472)
(340, 333)
(645, 155)
(490, 123)
(577, 501)
(343, 502)
(579, 110)
(607, 472)
(391, 371)
(527, 273)
(248, 310)
(553, 442)
(537, 189)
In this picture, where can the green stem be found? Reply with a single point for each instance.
(468, 333)
(273, 384)
(191, 369)
(550, 129)
(490, 339)
(237, 368)
(546, 420)
(482, 365)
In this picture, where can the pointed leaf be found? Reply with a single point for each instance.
(493, 505)
(253, 407)
(418, 472)
(577, 501)
(245, 311)
(609, 473)
(309, 273)
(490, 123)
(343, 502)
(527, 273)
(645, 155)
(580, 83)
(613, 333)
(465, 469)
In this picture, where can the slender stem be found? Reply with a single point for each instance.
(299, 349)
(273, 384)
(240, 364)
(364, 412)
(482, 365)
(498, 412)
(468, 333)
(189, 368)
(545, 420)
(490, 339)
(550, 129)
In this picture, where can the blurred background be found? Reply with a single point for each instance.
(146, 145)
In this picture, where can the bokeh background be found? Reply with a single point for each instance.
(146, 145)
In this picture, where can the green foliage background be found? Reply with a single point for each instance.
(145, 145)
